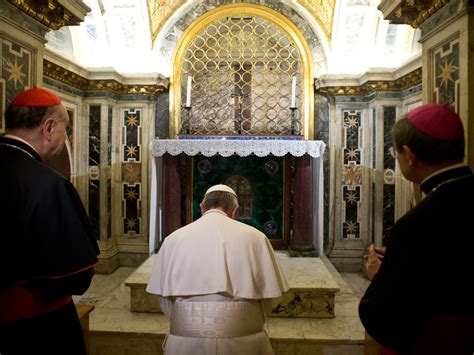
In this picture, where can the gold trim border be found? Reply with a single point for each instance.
(56, 72)
(234, 10)
(407, 81)
(414, 12)
(48, 12)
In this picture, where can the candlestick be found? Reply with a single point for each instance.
(188, 92)
(293, 92)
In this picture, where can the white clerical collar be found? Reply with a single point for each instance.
(215, 210)
(9, 135)
(451, 167)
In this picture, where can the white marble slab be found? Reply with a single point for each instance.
(311, 294)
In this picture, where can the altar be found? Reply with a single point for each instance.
(279, 183)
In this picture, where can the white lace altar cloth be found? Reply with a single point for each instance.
(241, 147)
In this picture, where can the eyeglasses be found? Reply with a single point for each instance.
(393, 152)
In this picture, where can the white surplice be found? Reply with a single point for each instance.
(221, 274)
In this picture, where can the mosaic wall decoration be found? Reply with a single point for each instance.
(389, 116)
(16, 68)
(259, 183)
(351, 174)
(446, 74)
(94, 167)
(131, 167)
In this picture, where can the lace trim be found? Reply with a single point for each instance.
(242, 148)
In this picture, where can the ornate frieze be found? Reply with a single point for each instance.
(52, 13)
(407, 81)
(66, 76)
(410, 12)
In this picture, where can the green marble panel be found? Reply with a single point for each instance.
(266, 180)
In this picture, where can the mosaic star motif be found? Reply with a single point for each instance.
(446, 71)
(351, 197)
(351, 227)
(352, 153)
(132, 121)
(131, 194)
(352, 121)
(131, 151)
(15, 71)
(131, 173)
(131, 223)
(352, 174)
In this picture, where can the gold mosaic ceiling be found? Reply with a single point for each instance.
(160, 11)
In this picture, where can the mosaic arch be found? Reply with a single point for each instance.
(168, 40)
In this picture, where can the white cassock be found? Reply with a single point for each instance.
(216, 278)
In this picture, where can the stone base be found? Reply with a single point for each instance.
(311, 294)
(115, 330)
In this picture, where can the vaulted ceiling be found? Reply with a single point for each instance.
(124, 35)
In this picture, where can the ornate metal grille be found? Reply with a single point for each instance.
(241, 70)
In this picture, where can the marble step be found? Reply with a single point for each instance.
(311, 295)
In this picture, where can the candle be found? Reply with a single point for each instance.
(293, 93)
(188, 92)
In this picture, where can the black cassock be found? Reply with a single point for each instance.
(422, 301)
(47, 253)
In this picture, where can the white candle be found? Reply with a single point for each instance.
(188, 92)
(293, 93)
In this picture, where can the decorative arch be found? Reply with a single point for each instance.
(178, 86)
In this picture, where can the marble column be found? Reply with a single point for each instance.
(302, 209)
(172, 207)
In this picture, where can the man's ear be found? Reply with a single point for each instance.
(411, 157)
(234, 212)
(48, 127)
(202, 208)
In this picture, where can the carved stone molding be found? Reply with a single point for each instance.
(159, 11)
(407, 81)
(410, 12)
(56, 72)
(54, 14)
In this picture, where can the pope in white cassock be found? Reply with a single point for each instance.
(216, 278)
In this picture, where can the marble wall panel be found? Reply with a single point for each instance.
(109, 167)
(446, 76)
(16, 68)
(321, 129)
(131, 170)
(351, 174)
(162, 116)
(94, 167)
(389, 116)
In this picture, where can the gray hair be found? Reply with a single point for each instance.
(220, 199)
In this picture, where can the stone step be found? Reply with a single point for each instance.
(311, 295)
(115, 330)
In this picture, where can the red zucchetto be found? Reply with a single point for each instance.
(437, 121)
(36, 97)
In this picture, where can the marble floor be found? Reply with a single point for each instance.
(115, 330)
